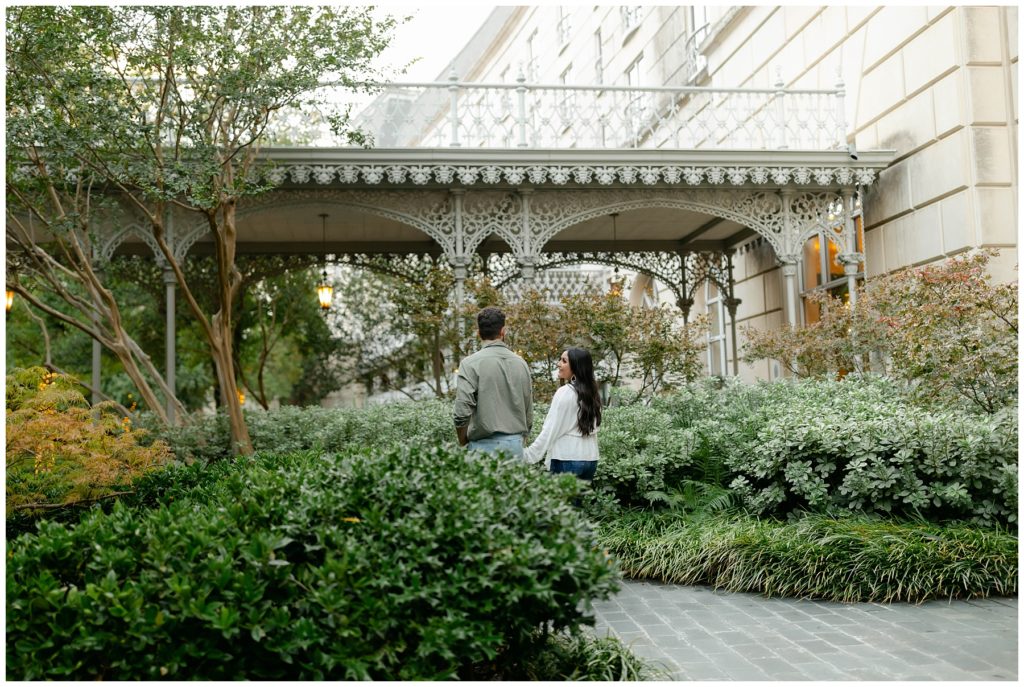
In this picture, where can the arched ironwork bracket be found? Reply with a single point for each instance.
(681, 273)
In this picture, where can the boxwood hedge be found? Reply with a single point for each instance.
(410, 563)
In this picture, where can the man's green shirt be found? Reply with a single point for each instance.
(494, 393)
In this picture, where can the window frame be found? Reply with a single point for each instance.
(838, 283)
(563, 27)
(720, 339)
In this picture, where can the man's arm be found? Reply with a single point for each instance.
(528, 398)
(465, 403)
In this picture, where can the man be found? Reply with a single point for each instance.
(494, 392)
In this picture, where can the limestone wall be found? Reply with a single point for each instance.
(936, 84)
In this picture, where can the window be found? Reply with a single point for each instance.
(717, 351)
(598, 58)
(698, 16)
(564, 26)
(822, 270)
(631, 16)
(635, 106)
(633, 72)
(532, 68)
(698, 28)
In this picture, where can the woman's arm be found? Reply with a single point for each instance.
(559, 421)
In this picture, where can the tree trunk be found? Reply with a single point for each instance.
(438, 365)
(222, 330)
(225, 366)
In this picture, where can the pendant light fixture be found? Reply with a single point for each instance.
(324, 291)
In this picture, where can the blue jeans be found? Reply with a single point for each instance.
(584, 469)
(512, 444)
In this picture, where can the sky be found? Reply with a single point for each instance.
(435, 34)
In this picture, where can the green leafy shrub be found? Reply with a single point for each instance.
(410, 563)
(290, 429)
(857, 445)
(62, 453)
(642, 454)
(849, 559)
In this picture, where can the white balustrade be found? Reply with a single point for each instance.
(521, 115)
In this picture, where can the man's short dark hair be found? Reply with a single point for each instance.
(490, 321)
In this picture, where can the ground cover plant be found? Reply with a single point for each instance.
(404, 564)
(853, 558)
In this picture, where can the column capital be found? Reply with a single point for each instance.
(460, 266)
(685, 304)
(527, 265)
(788, 269)
(850, 259)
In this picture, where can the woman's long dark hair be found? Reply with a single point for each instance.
(588, 415)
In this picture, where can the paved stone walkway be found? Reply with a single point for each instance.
(698, 633)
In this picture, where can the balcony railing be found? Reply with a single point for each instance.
(521, 115)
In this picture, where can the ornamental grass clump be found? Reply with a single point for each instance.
(407, 563)
(847, 559)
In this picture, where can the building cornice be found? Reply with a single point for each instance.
(321, 166)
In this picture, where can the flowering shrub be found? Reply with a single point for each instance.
(952, 332)
(945, 330)
(62, 453)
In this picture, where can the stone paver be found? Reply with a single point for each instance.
(697, 633)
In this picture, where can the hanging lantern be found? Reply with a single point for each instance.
(324, 292)
(10, 300)
(241, 397)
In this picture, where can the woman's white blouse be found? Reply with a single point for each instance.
(560, 437)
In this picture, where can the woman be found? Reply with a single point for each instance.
(569, 435)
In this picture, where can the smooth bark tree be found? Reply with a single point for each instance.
(163, 110)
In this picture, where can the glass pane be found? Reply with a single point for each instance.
(812, 313)
(717, 360)
(835, 268)
(812, 263)
(715, 313)
(842, 291)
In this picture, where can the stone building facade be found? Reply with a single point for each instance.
(936, 84)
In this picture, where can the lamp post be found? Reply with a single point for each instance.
(324, 291)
